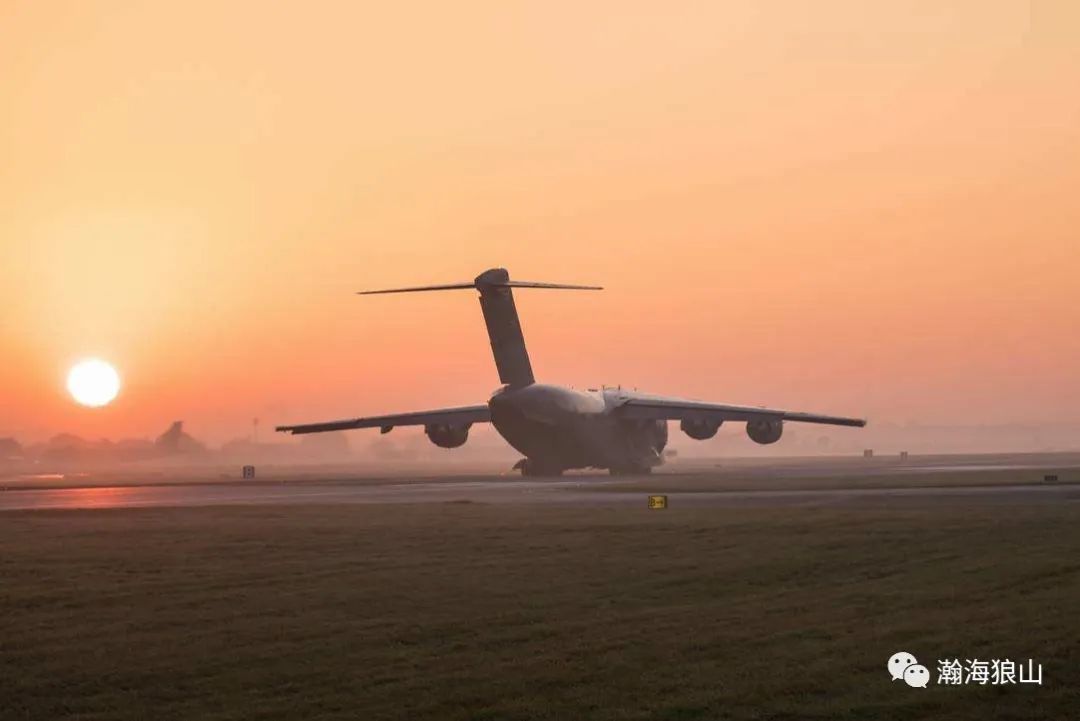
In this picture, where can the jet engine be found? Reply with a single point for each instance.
(764, 432)
(700, 430)
(447, 436)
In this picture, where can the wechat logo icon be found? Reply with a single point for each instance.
(903, 666)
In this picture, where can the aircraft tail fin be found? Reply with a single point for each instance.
(501, 318)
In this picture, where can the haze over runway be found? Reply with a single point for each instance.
(814, 482)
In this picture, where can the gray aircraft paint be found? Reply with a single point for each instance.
(504, 328)
(556, 427)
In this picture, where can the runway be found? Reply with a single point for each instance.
(571, 492)
(829, 481)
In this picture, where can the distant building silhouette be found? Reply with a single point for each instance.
(10, 449)
(175, 440)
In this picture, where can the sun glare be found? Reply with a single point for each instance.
(93, 383)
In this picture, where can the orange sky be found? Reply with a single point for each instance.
(840, 206)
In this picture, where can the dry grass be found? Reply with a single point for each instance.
(465, 611)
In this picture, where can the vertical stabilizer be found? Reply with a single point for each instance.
(504, 328)
(501, 318)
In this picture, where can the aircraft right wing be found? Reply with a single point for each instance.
(450, 416)
(662, 408)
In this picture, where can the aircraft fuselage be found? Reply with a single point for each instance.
(557, 428)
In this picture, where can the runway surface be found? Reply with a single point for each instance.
(1000, 478)
(574, 492)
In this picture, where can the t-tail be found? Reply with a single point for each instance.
(501, 318)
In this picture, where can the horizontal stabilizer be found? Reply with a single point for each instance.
(481, 285)
(534, 284)
(419, 289)
(500, 317)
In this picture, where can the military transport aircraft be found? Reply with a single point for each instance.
(557, 428)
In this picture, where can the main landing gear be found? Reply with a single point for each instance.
(532, 468)
(631, 471)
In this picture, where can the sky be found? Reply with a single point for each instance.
(836, 206)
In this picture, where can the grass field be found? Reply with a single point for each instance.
(467, 611)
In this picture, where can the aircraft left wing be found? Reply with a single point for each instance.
(660, 408)
(449, 416)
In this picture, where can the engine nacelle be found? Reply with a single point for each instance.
(764, 432)
(447, 436)
(700, 430)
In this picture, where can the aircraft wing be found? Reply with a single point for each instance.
(660, 408)
(451, 416)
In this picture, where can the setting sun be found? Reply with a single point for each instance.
(93, 383)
